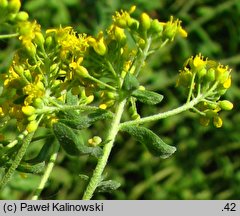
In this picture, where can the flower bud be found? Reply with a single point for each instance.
(32, 117)
(89, 99)
(3, 4)
(49, 41)
(225, 105)
(103, 106)
(156, 26)
(145, 21)
(210, 76)
(22, 16)
(30, 48)
(39, 39)
(217, 121)
(38, 103)
(100, 48)
(82, 71)
(32, 126)
(28, 110)
(221, 74)
(122, 23)
(201, 73)
(227, 83)
(14, 6)
(96, 140)
(132, 23)
(120, 34)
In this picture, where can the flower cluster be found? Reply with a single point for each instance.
(49, 65)
(207, 78)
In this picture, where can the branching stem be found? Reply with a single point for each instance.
(112, 133)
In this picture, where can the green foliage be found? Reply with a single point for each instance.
(206, 164)
(153, 143)
(147, 97)
(72, 141)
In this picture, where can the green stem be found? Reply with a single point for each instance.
(14, 142)
(173, 112)
(66, 108)
(9, 35)
(47, 172)
(191, 87)
(101, 83)
(140, 61)
(112, 133)
(17, 160)
(163, 115)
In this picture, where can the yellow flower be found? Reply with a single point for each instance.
(198, 62)
(98, 44)
(28, 30)
(171, 28)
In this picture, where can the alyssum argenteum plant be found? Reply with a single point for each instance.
(64, 82)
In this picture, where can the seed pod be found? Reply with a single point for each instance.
(225, 105)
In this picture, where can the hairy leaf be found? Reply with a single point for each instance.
(154, 143)
(147, 97)
(71, 141)
(80, 121)
(130, 82)
(108, 186)
(44, 153)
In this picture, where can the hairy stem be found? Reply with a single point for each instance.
(163, 115)
(17, 160)
(112, 133)
(47, 172)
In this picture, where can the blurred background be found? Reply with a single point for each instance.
(207, 162)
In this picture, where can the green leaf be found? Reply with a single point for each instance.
(108, 186)
(44, 153)
(130, 82)
(153, 143)
(26, 182)
(71, 99)
(67, 138)
(31, 168)
(71, 141)
(81, 121)
(147, 97)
